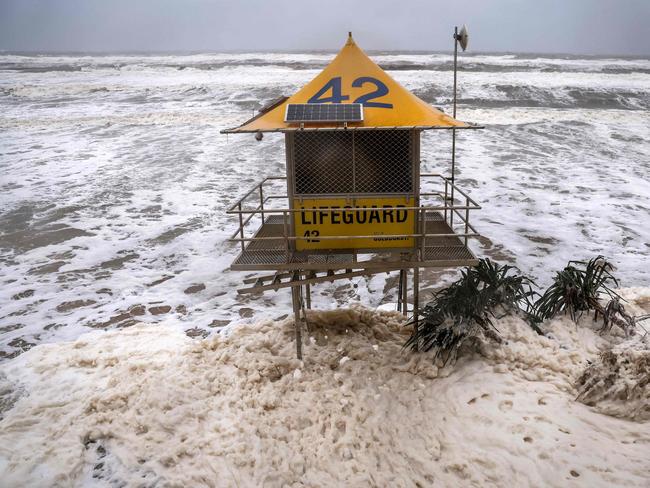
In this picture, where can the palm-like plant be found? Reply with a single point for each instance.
(465, 309)
(578, 289)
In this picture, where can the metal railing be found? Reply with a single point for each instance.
(257, 205)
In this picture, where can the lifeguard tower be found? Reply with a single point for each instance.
(353, 201)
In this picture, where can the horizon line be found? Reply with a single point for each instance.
(100, 52)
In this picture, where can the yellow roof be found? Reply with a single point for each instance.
(352, 77)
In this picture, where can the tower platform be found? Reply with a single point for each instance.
(268, 243)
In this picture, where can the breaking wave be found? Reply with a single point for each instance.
(484, 96)
(490, 81)
(495, 63)
(564, 97)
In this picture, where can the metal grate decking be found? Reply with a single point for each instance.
(438, 251)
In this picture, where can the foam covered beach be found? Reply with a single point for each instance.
(148, 406)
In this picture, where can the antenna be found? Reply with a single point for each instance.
(460, 37)
(463, 37)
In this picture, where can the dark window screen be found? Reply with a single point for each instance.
(382, 161)
(335, 162)
(323, 162)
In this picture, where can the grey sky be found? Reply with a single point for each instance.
(568, 26)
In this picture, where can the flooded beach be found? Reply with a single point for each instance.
(114, 178)
(127, 357)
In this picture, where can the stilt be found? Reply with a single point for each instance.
(295, 298)
(405, 291)
(400, 282)
(416, 292)
(303, 308)
(308, 295)
(416, 301)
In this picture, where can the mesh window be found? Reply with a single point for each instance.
(323, 162)
(333, 162)
(382, 161)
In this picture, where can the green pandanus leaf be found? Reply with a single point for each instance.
(464, 310)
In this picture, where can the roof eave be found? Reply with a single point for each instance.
(237, 130)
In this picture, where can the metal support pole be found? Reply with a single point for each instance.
(466, 219)
(453, 131)
(285, 234)
(241, 227)
(295, 298)
(405, 290)
(308, 295)
(262, 203)
(446, 197)
(423, 242)
(416, 300)
(455, 66)
(399, 290)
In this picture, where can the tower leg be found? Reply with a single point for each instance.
(400, 283)
(405, 291)
(308, 295)
(295, 298)
(416, 300)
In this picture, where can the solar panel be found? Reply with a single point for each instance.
(324, 112)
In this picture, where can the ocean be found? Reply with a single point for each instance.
(114, 178)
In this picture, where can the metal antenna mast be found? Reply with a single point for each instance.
(459, 38)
